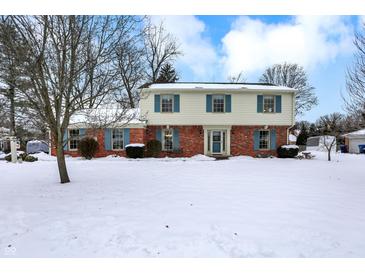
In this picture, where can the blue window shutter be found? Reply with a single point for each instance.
(157, 103)
(82, 132)
(126, 136)
(228, 103)
(209, 103)
(273, 139)
(65, 140)
(260, 103)
(256, 140)
(176, 103)
(159, 135)
(278, 103)
(108, 139)
(176, 139)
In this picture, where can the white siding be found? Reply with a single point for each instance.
(193, 109)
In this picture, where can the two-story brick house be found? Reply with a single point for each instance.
(217, 119)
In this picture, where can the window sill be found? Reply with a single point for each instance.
(122, 149)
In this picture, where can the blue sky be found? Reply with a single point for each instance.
(215, 47)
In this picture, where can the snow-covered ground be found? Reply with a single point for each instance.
(242, 207)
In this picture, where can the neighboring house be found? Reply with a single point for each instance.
(218, 119)
(354, 139)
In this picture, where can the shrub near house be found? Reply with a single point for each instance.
(214, 119)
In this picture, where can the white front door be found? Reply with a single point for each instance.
(216, 142)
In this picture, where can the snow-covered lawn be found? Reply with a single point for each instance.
(242, 207)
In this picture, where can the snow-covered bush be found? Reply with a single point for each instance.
(134, 150)
(288, 151)
(88, 147)
(154, 148)
(20, 155)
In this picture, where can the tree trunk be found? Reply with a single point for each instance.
(61, 162)
(130, 96)
(329, 154)
(12, 111)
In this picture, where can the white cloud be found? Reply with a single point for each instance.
(199, 55)
(252, 45)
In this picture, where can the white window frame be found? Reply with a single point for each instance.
(268, 141)
(224, 103)
(112, 139)
(173, 103)
(163, 139)
(274, 103)
(71, 139)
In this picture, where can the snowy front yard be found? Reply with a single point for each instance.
(242, 207)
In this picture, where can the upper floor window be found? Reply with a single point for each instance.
(117, 139)
(218, 103)
(264, 139)
(167, 103)
(74, 139)
(269, 104)
(167, 139)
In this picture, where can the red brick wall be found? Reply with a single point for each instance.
(191, 139)
(137, 135)
(242, 140)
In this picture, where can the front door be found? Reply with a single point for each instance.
(217, 142)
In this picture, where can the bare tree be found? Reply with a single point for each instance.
(131, 69)
(355, 82)
(239, 78)
(160, 47)
(292, 76)
(331, 127)
(68, 66)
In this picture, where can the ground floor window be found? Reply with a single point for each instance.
(167, 139)
(74, 139)
(264, 139)
(117, 139)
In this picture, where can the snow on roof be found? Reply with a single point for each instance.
(360, 132)
(107, 115)
(219, 86)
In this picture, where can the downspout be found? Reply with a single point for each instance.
(50, 142)
(293, 118)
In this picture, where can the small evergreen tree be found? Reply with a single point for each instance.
(303, 135)
(167, 74)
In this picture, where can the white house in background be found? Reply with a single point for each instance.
(318, 143)
(354, 139)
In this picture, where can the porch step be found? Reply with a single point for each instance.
(220, 157)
